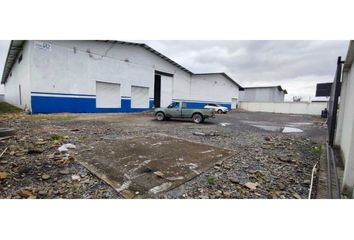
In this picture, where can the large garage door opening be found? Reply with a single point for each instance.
(163, 89)
(140, 97)
(157, 91)
(107, 95)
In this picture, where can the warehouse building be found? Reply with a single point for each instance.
(105, 76)
(263, 94)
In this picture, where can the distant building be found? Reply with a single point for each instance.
(105, 76)
(263, 94)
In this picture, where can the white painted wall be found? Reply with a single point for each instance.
(311, 108)
(166, 90)
(20, 75)
(344, 137)
(262, 95)
(108, 95)
(140, 97)
(214, 87)
(65, 70)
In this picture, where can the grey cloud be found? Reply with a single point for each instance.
(297, 65)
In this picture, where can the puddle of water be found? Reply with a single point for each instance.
(279, 129)
(291, 130)
(269, 128)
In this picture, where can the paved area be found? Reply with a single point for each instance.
(265, 162)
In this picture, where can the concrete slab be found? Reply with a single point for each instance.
(142, 167)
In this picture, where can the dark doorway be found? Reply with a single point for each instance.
(157, 91)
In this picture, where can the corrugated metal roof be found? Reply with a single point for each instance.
(220, 73)
(150, 49)
(278, 87)
(14, 49)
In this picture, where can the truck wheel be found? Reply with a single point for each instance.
(160, 116)
(197, 118)
(220, 111)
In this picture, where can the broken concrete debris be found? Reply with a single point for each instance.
(45, 176)
(160, 188)
(66, 147)
(3, 175)
(251, 185)
(267, 164)
(210, 134)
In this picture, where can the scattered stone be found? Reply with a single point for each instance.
(64, 171)
(234, 180)
(66, 147)
(267, 139)
(42, 193)
(3, 175)
(281, 186)
(307, 182)
(25, 193)
(251, 185)
(159, 174)
(219, 163)
(160, 188)
(285, 159)
(296, 195)
(35, 151)
(227, 194)
(45, 176)
(40, 143)
(75, 178)
(199, 134)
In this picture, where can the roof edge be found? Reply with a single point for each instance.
(350, 57)
(220, 73)
(11, 57)
(279, 87)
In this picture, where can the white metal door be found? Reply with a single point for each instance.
(140, 97)
(166, 91)
(107, 95)
(234, 103)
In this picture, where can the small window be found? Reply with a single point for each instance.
(20, 58)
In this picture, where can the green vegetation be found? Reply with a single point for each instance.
(315, 150)
(8, 108)
(211, 180)
(57, 137)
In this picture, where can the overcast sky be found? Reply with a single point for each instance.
(296, 65)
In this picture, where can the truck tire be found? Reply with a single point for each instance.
(197, 118)
(160, 116)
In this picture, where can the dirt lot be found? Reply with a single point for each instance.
(237, 155)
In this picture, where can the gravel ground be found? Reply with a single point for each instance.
(267, 164)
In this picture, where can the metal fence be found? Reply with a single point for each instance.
(333, 102)
(332, 177)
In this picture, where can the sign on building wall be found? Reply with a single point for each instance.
(43, 46)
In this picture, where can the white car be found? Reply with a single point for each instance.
(217, 108)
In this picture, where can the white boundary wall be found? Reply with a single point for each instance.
(311, 108)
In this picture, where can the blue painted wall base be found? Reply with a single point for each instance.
(49, 104)
(82, 104)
